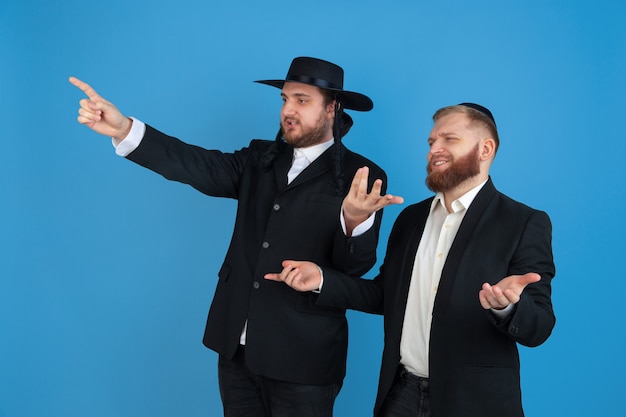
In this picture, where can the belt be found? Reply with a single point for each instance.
(408, 378)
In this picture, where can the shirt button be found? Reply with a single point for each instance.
(265, 245)
(256, 285)
(276, 207)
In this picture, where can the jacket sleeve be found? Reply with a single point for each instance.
(211, 172)
(533, 318)
(351, 292)
(367, 295)
(357, 255)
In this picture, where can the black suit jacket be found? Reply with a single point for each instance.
(289, 337)
(473, 358)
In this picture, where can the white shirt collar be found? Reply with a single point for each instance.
(311, 153)
(460, 203)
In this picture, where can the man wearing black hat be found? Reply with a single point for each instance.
(467, 275)
(280, 354)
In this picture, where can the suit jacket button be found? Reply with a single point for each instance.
(276, 207)
(256, 285)
(351, 247)
(265, 245)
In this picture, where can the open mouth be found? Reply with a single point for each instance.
(290, 123)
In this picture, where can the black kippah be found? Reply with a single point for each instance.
(482, 109)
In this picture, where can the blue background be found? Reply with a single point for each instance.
(107, 270)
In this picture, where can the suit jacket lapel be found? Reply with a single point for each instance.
(282, 163)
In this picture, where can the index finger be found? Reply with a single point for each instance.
(86, 88)
(272, 277)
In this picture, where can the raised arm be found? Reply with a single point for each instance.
(358, 204)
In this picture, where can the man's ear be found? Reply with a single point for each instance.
(330, 110)
(487, 149)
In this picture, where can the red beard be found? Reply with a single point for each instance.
(460, 170)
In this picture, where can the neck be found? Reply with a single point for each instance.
(317, 144)
(457, 192)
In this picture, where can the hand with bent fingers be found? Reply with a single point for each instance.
(358, 205)
(506, 291)
(299, 275)
(99, 114)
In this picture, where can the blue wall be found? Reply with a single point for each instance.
(107, 270)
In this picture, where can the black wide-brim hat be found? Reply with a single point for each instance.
(323, 74)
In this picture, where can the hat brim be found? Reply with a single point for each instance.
(350, 99)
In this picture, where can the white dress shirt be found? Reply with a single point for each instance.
(439, 233)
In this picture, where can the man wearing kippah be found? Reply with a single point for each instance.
(280, 354)
(466, 277)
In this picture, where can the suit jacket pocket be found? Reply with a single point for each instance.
(497, 386)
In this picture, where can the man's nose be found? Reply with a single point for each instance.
(287, 109)
(435, 149)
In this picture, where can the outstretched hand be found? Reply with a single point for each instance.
(506, 291)
(358, 205)
(99, 114)
(299, 275)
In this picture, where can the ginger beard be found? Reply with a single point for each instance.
(460, 170)
(300, 136)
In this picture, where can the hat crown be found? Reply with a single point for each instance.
(317, 72)
(326, 75)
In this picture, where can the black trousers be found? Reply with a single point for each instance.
(245, 394)
(409, 396)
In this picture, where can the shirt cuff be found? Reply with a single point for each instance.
(504, 313)
(361, 228)
(125, 146)
(319, 290)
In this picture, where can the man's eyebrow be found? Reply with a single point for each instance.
(447, 133)
(295, 95)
